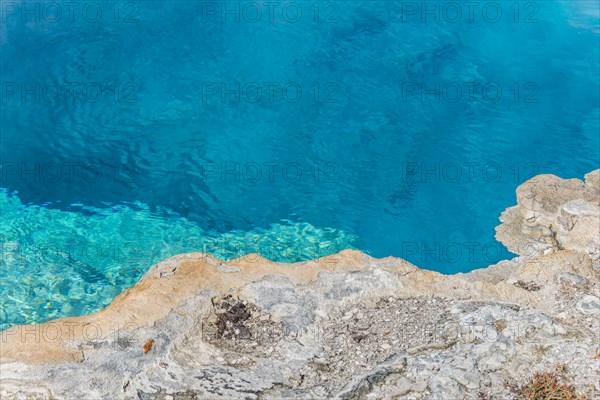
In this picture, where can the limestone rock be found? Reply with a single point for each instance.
(552, 214)
(347, 326)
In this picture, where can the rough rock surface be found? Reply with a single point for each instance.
(346, 326)
(554, 214)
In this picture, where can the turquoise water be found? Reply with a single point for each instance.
(58, 263)
(133, 131)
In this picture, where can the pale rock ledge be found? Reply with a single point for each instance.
(346, 326)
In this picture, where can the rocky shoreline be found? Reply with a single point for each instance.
(347, 326)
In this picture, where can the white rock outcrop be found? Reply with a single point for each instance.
(347, 326)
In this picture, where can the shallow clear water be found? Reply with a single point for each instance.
(133, 131)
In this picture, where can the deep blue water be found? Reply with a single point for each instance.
(397, 128)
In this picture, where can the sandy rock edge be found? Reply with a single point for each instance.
(553, 286)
